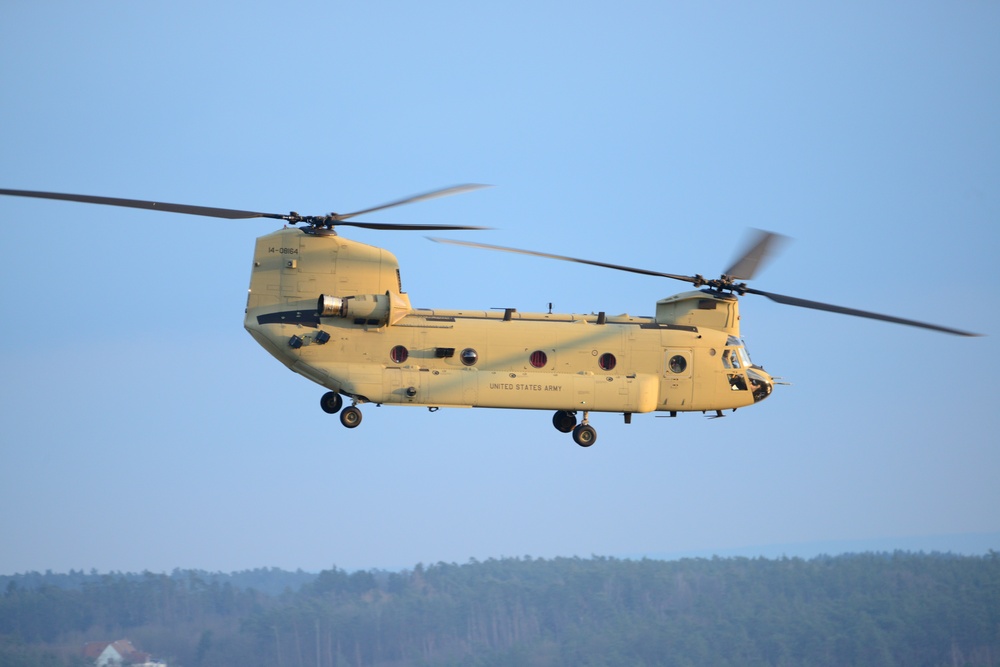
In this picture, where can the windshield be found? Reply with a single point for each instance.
(736, 355)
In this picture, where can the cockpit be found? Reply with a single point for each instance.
(742, 374)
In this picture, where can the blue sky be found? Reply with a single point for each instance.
(144, 429)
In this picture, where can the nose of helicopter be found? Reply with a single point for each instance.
(760, 382)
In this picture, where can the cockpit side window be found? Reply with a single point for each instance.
(735, 355)
(735, 358)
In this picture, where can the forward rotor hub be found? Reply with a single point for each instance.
(721, 284)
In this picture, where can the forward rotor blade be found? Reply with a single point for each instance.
(444, 192)
(761, 246)
(816, 305)
(617, 267)
(227, 213)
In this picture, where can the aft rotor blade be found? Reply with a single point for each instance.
(433, 194)
(209, 211)
(391, 226)
(762, 246)
(617, 267)
(816, 305)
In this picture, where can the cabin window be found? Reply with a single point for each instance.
(399, 354)
(607, 361)
(730, 359)
(469, 356)
(677, 364)
(538, 359)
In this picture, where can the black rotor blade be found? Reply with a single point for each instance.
(617, 267)
(400, 227)
(433, 194)
(817, 305)
(209, 211)
(762, 246)
(236, 214)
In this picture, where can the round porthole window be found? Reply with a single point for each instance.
(538, 359)
(399, 354)
(677, 364)
(469, 356)
(607, 361)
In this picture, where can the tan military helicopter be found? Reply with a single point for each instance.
(333, 310)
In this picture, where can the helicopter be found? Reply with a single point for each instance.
(333, 310)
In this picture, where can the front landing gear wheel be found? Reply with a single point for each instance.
(331, 402)
(350, 417)
(564, 420)
(584, 435)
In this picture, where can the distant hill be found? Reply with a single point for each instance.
(269, 580)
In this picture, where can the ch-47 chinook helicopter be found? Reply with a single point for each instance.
(333, 311)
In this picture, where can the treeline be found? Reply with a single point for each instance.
(869, 609)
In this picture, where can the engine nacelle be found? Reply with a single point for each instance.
(363, 308)
(331, 306)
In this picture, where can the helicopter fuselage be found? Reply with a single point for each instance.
(333, 310)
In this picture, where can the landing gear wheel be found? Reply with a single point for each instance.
(350, 417)
(331, 402)
(584, 435)
(564, 420)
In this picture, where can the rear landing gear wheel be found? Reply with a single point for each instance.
(331, 402)
(350, 417)
(584, 435)
(564, 420)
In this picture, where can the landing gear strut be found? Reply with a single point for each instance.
(565, 422)
(584, 435)
(331, 402)
(350, 417)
